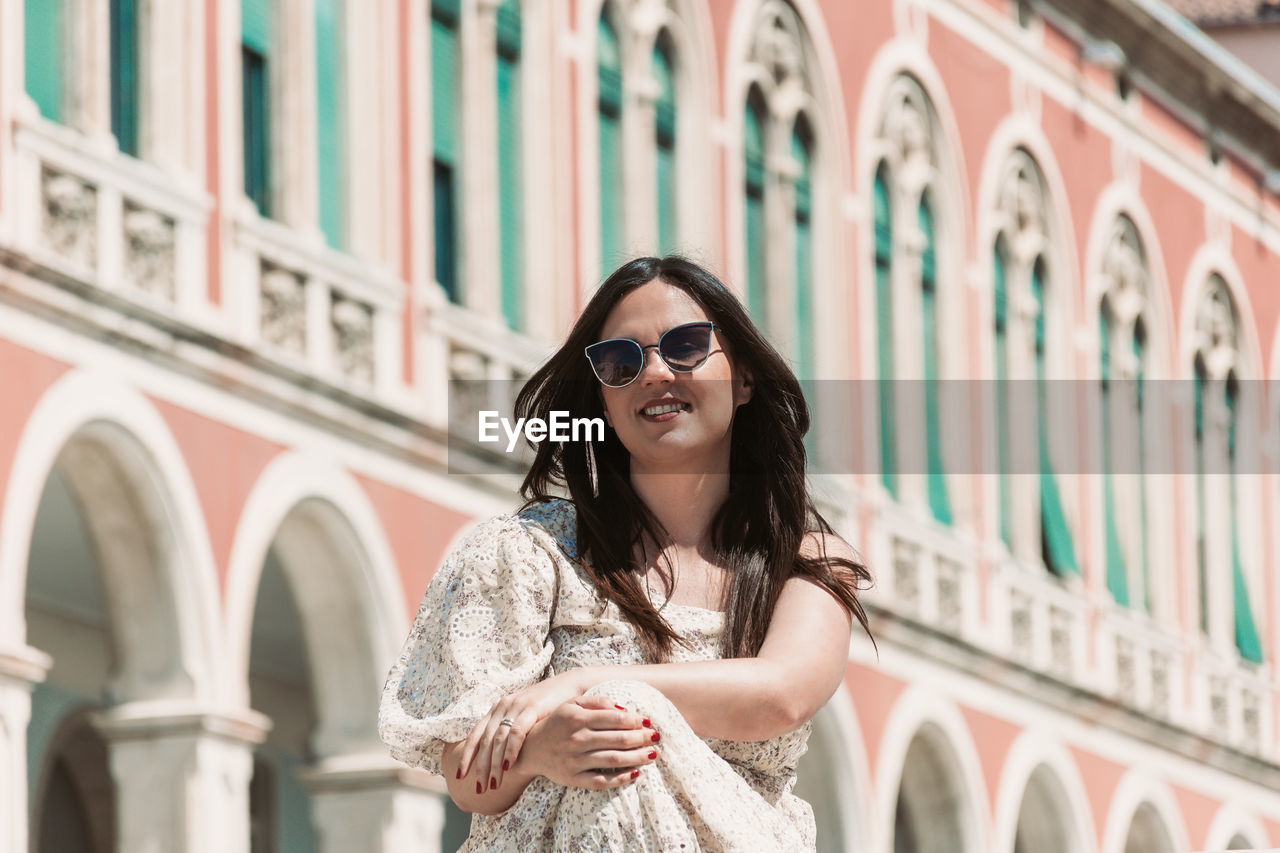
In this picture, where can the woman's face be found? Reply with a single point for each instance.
(695, 439)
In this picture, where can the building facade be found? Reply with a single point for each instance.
(247, 247)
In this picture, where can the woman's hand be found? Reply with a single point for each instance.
(588, 743)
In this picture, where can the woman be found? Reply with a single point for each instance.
(635, 668)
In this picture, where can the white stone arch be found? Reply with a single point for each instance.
(822, 102)
(158, 566)
(1143, 801)
(1232, 824)
(920, 711)
(317, 514)
(1037, 749)
(904, 62)
(837, 752)
(1213, 263)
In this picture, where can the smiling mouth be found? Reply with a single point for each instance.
(666, 408)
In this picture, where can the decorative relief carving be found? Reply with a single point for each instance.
(1060, 658)
(1160, 685)
(1022, 201)
(778, 45)
(149, 240)
(950, 607)
(906, 574)
(70, 220)
(284, 314)
(1218, 706)
(1216, 328)
(1126, 680)
(907, 127)
(1124, 266)
(1251, 720)
(353, 339)
(1020, 625)
(468, 390)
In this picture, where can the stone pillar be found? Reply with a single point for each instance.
(375, 806)
(481, 259)
(182, 776)
(21, 668)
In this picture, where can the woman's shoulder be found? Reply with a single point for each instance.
(556, 520)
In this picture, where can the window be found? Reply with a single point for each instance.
(1117, 577)
(511, 198)
(444, 130)
(884, 329)
(801, 146)
(1000, 333)
(1246, 632)
(329, 120)
(665, 145)
(939, 505)
(1055, 536)
(124, 74)
(44, 24)
(753, 152)
(609, 105)
(255, 41)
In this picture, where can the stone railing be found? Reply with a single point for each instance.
(109, 221)
(1232, 704)
(1139, 663)
(1038, 620)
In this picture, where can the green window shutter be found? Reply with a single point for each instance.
(124, 74)
(1055, 536)
(444, 133)
(665, 144)
(255, 50)
(753, 155)
(939, 503)
(1139, 354)
(1245, 630)
(609, 112)
(255, 25)
(510, 149)
(329, 119)
(884, 331)
(1001, 333)
(1117, 577)
(804, 254)
(43, 29)
(1202, 552)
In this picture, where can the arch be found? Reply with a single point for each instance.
(160, 579)
(919, 711)
(321, 522)
(1234, 828)
(1037, 750)
(1144, 804)
(836, 752)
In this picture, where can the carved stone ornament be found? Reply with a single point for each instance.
(1124, 268)
(906, 581)
(950, 606)
(777, 47)
(1216, 326)
(284, 317)
(1126, 680)
(1020, 625)
(148, 251)
(70, 223)
(1022, 198)
(906, 125)
(353, 339)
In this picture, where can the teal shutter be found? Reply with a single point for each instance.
(329, 119)
(753, 157)
(1202, 547)
(1139, 353)
(444, 134)
(609, 111)
(43, 29)
(255, 50)
(510, 150)
(883, 213)
(1055, 537)
(1117, 577)
(1246, 632)
(124, 74)
(938, 501)
(1001, 298)
(665, 146)
(803, 238)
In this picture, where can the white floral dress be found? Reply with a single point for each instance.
(511, 606)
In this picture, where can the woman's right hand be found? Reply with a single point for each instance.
(589, 743)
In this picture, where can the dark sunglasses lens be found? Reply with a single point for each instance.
(616, 362)
(686, 347)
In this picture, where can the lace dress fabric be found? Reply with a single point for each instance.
(511, 606)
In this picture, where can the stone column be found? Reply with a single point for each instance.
(21, 669)
(481, 259)
(375, 806)
(182, 776)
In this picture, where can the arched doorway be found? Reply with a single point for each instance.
(932, 814)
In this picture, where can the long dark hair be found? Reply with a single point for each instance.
(758, 530)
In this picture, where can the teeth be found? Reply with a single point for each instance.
(652, 411)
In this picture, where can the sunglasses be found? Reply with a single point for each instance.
(618, 361)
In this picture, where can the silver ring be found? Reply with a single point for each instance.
(508, 722)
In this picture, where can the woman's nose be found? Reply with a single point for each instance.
(655, 369)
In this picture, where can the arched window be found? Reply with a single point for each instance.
(1117, 578)
(665, 144)
(1246, 632)
(255, 63)
(802, 237)
(124, 74)
(1000, 334)
(1055, 537)
(883, 214)
(938, 502)
(1199, 380)
(444, 129)
(753, 151)
(44, 22)
(609, 108)
(329, 120)
(510, 148)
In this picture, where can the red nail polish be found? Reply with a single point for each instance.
(479, 788)
(493, 782)
(506, 765)
(635, 773)
(619, 707)
(653, 753)
(655, 737)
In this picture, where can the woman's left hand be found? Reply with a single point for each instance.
(494, 747)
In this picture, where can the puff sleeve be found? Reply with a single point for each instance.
(481, 632)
